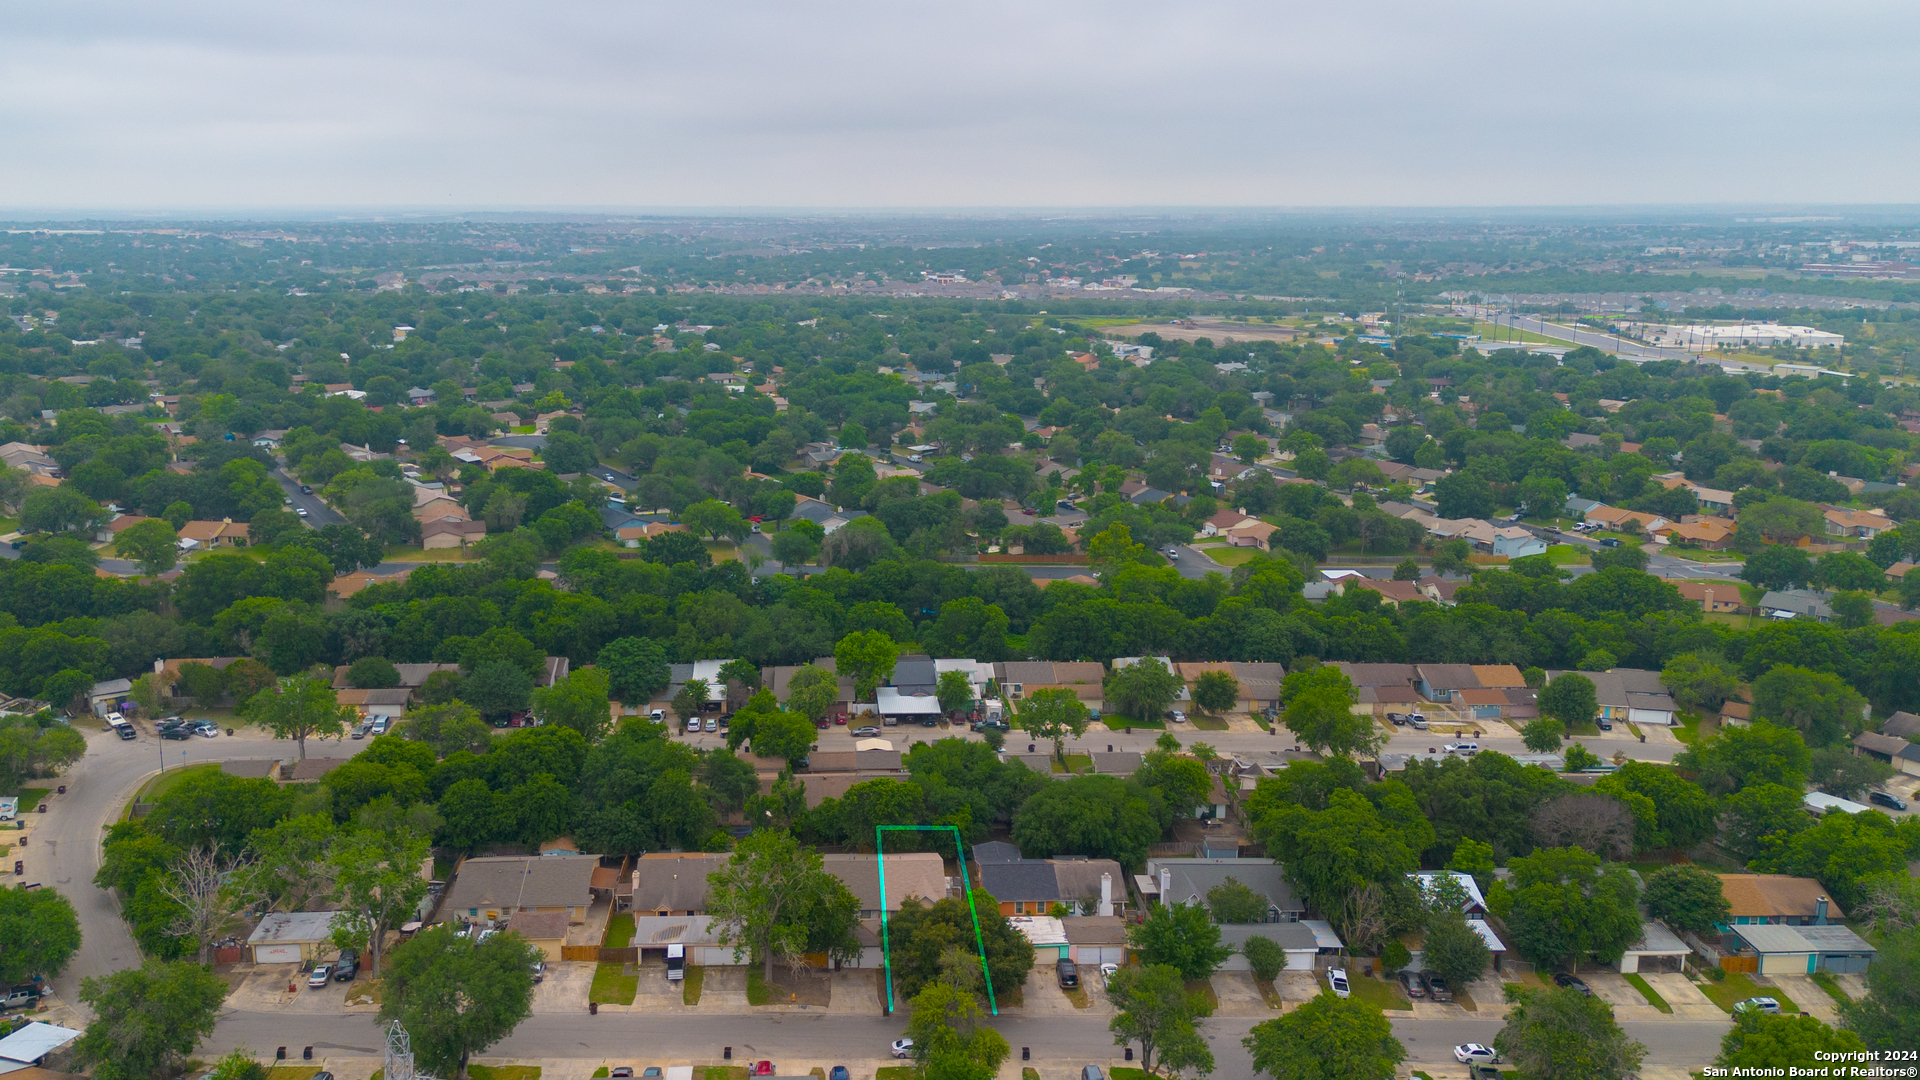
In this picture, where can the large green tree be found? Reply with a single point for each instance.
(1564, 905)
(1052, 715)
(636, 668)
(379, 887)
(1327, 1038)
(1320, 711)
(1687, 898)
(1570, 699)
(1143, 690)
(148, 1019)
(928, 940)
(1565, 1035)
(456, 996)
(1153, 1008)
(301, 709)
(1180, 936)
(1759, 1042)
(1888, 1018)
(867, 657)
(774, 898)
(580, 701)
(39, 933)
(1101, 817)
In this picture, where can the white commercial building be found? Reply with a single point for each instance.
(1745, 335)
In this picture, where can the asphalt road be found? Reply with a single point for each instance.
(318, 512)
(796, 1042)
(66, 841)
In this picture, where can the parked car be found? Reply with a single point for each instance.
(126, 732)
(1603, 723)
(206, 729)
(1464, 749)
(379, 725)
(1415, 987)
(1886, 799)
(865, 732)
(345, 968)
(539, 971)
(1475, 1054)
(179, 731)
(620, 1072)
(651, 1070)
(1417, 722)
(761, 1068)
(1396, 719)
(322, 974)
(1068, 974)
(360, 730)
(1179, 717)
(839, 1072)
(20, 997)
(1107, 971)
(1437, 988)
(1569, 982)
(1091, 1072)
(902, 1048)
(1758, 1004)
(657, 715)
(1337, 980)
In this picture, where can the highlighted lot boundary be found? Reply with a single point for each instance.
(979, 941)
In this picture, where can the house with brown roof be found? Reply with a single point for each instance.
(372, 704)
(1252, 533)
(1898, 571)
(544, 930)
(347, 585)
(669, 883)
(634, 535)
(912, 877)
(1712, 596)
(1221, 522)
(1618, 520)
(226, 532)
(1777, 899)
(1707, 534)
(1391, 592)
(1439, 589)
(449, 532)
(1019, 679)
(1864, 524)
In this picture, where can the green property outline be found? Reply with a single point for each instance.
(886, 951)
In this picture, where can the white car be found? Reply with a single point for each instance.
(114, 719)
(1109, 969)
(1475, 1054)
(1179, 717)
(302, 511)
(902, 1048)
(1464, 749)
(1337, 979)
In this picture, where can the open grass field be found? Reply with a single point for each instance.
(173, 778)
(1232, 556)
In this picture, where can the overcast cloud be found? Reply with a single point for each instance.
(121, 105)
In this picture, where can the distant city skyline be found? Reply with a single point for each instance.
(116, 106)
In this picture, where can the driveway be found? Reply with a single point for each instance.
(565, 987)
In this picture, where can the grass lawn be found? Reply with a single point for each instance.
(1121, 723)
(758, 992)
(1826, 982)
(290, 1072)
(1465, 1001)
(1233, 556)
(601, 1073)
(1532, 981)
(1078, 995)
(1203, 722)
(522, 429)
(721, 550)
(1701, 555)
(30, 798)
(173, 778)
(720, 1072)
(896, 1072)
(1127, 1072)
(504, 1072)
(1269, 994)
(1728, 618)
(1075, 762)
(613, 985)
(1027, 1072)
(690, 986)
(1568, 555)
(619, 931)
(365, 991)
(1738, 987)
(1646, 991)
(1380, 995)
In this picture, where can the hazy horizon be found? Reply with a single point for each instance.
(209, 108)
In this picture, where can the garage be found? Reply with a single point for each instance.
(292, 937)
(1096, 939)
(276, 954)
(1297, 940)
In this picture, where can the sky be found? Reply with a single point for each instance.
(189, 105)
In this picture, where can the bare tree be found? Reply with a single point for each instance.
(212, 890)
(1365, 920)
(1597, 823)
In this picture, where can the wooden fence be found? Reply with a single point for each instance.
(1729, 962)
(590, 953)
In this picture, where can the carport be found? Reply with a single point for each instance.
(1657, 950)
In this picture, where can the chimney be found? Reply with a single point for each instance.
(1820, 911)
(1166, 884)
(1106, 894)
(159, 665)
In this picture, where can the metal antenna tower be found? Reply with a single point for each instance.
(399, 1060)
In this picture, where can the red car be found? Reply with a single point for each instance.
(761, 1068)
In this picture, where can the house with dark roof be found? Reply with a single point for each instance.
(669, 883)
(1892, 749)
(1034, 886)
(1439, 682)
(1187, 881)
(492, 890)
(1904, 724)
